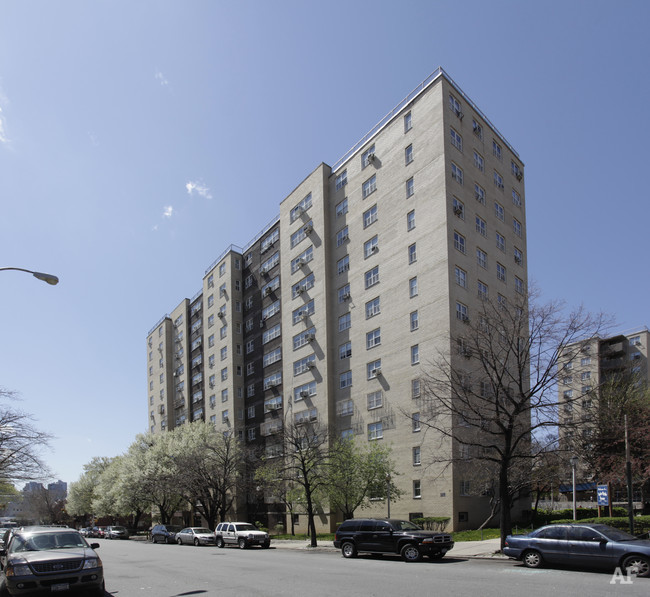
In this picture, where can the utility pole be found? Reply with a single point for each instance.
(628, 474)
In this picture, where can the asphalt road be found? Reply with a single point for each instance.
(136, 568)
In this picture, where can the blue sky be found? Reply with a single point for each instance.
(140, 138)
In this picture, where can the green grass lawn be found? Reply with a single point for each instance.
(476, 535)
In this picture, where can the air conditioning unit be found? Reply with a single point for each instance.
(464, 318)
(267, 291)
(371, 158)
(518, 260)
(301, 262)
(300, 210)
(300, 290)
(374, 249)
(272, 406)
(459, 114)
(212, 384)
(346, 296)
(304, 394)
(375, 372)
(310, 365)
(308, 229)
(458, 210)
(310, 337)
(264, 271)
(220, 315)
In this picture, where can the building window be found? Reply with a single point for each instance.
(343, 265)
(345, 350)
(345, 321)
(519, 285)
(464, 488)
(410, 220)
(370, 216)
(251, 434)
(342, 208)
(501, 272)
(408, 122)
(375, 431)
(479, 162)
(345, 379)
(586, 361)
(501, 242)
(461, 312)
(415, 419)
(456, 139)
(477, 129)
(408, 154)
(370, 247)
(413, 287)
(210, 280)
(482, 290)
(519, 256)
(481, 258)
(416, 456)
(410, 187)
(412, 252)
(345, 408)
(461, 277)
(342, 236)
(454, 106)
(415, 388)
(373, 369)
(498, 211)
(375, 400)
(417, 494)
(456, 173)
(481, 226)
(635, 340)
(459, 208)
(516, 170)
(373, 338)
(498, 180)
(224, 395)
(372, 277)
(496, 149)
(344, 293)
(341, 180)
(370, 186)
(414, 320)
(367, 156)
(585, 375)
(479, 193)
(372, 308)
(516, 198)
(516, 227)
(415, 354)
(459, 242)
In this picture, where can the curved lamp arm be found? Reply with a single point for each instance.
(49, 278)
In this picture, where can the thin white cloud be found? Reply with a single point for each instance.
(161, 79)
(167, 212)
(199, 188)
(4, 139)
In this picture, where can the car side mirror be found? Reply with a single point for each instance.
(95, 546)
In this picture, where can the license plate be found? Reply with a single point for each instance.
(62, 586)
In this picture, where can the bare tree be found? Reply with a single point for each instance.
(303, 464)
(496, 385)
(21, 443)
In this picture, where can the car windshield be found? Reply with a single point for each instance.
(202, 530)
(45, 541)
(404, 525)
(245, 527)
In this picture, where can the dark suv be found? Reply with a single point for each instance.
(164, 533)
(388, 535)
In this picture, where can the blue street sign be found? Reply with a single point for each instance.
(603, 495)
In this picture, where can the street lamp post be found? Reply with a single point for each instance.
(388, 493)
(49, 278)
(574, 462)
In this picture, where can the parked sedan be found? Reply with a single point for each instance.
(195, 535)
(164, 533)
(582, 545)
(116, 532)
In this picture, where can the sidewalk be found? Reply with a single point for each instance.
(489, 548)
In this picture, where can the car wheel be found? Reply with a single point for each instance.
(639, 563)
(168, 540)
(196, 542)
(179, 541)
(349, 550)
(242, 543)
(220, 542)
(532, 559)
(411, 553)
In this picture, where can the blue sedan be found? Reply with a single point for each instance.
(582, 545)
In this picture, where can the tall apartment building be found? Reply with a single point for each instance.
(598, 361)
(332, 312)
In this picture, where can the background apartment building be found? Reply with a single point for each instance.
(621, 358)
(336, 308)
